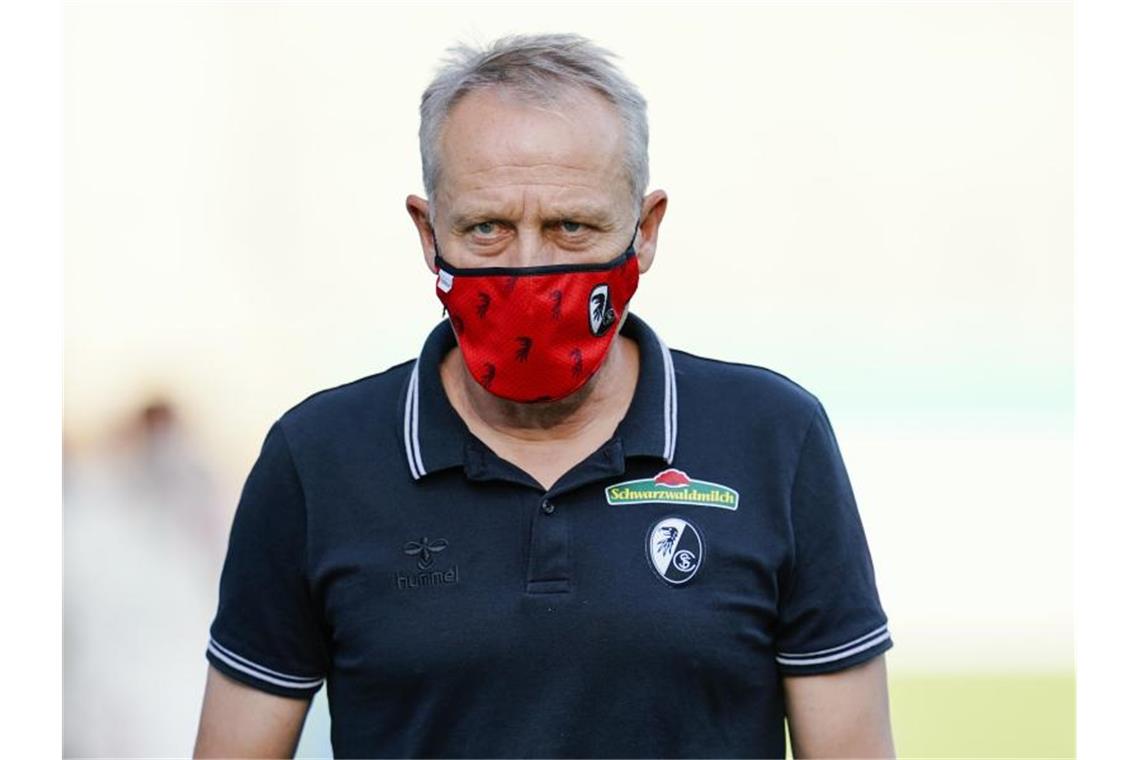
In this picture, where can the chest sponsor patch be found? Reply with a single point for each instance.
(675, 487)
(675, 550)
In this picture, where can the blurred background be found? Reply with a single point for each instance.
(873, 200)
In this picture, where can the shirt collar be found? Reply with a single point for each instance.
(435, 437)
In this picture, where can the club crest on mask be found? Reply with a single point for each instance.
(601, 310)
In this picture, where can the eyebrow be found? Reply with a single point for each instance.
(584, 213)
(587, 213)
(465, 219)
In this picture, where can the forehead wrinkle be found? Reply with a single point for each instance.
(520, 175)
(477, 164)
(514, 184)
(489, 182)
(517, 197)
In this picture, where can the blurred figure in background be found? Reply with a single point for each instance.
(144, 532)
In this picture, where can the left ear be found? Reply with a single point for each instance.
(652, 212)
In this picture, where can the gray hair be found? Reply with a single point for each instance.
(538, 68)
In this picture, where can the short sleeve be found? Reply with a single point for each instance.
(830, 617)
(267, 633)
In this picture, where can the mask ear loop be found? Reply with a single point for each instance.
(438, 260)
(630, 246)
(435, 245)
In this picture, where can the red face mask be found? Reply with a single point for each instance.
(536, 333)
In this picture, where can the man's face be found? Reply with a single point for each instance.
(524, 184)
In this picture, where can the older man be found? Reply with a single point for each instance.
(549, 535)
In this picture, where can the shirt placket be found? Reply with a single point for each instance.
(549, 550)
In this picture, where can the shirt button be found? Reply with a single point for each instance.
(547, 506)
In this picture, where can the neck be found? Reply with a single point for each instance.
(569, 418)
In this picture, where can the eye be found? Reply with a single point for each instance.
(569, 225)
(485, 228)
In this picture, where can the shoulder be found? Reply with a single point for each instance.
(359, 407)
(742, 389)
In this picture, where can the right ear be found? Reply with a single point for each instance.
(419, 210)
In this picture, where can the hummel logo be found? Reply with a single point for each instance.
(426, 550)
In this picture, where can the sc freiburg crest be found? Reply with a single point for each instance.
(675, 550)
(602, 313)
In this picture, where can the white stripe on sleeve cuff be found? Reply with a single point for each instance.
(250, 667)
(863, 643)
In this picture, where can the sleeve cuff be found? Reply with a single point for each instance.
(835, 658)
(260, 677)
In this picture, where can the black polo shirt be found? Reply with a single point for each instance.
(646, 605)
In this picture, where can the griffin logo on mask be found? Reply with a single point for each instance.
(601, 311)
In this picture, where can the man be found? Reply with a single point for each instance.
(549, 535)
